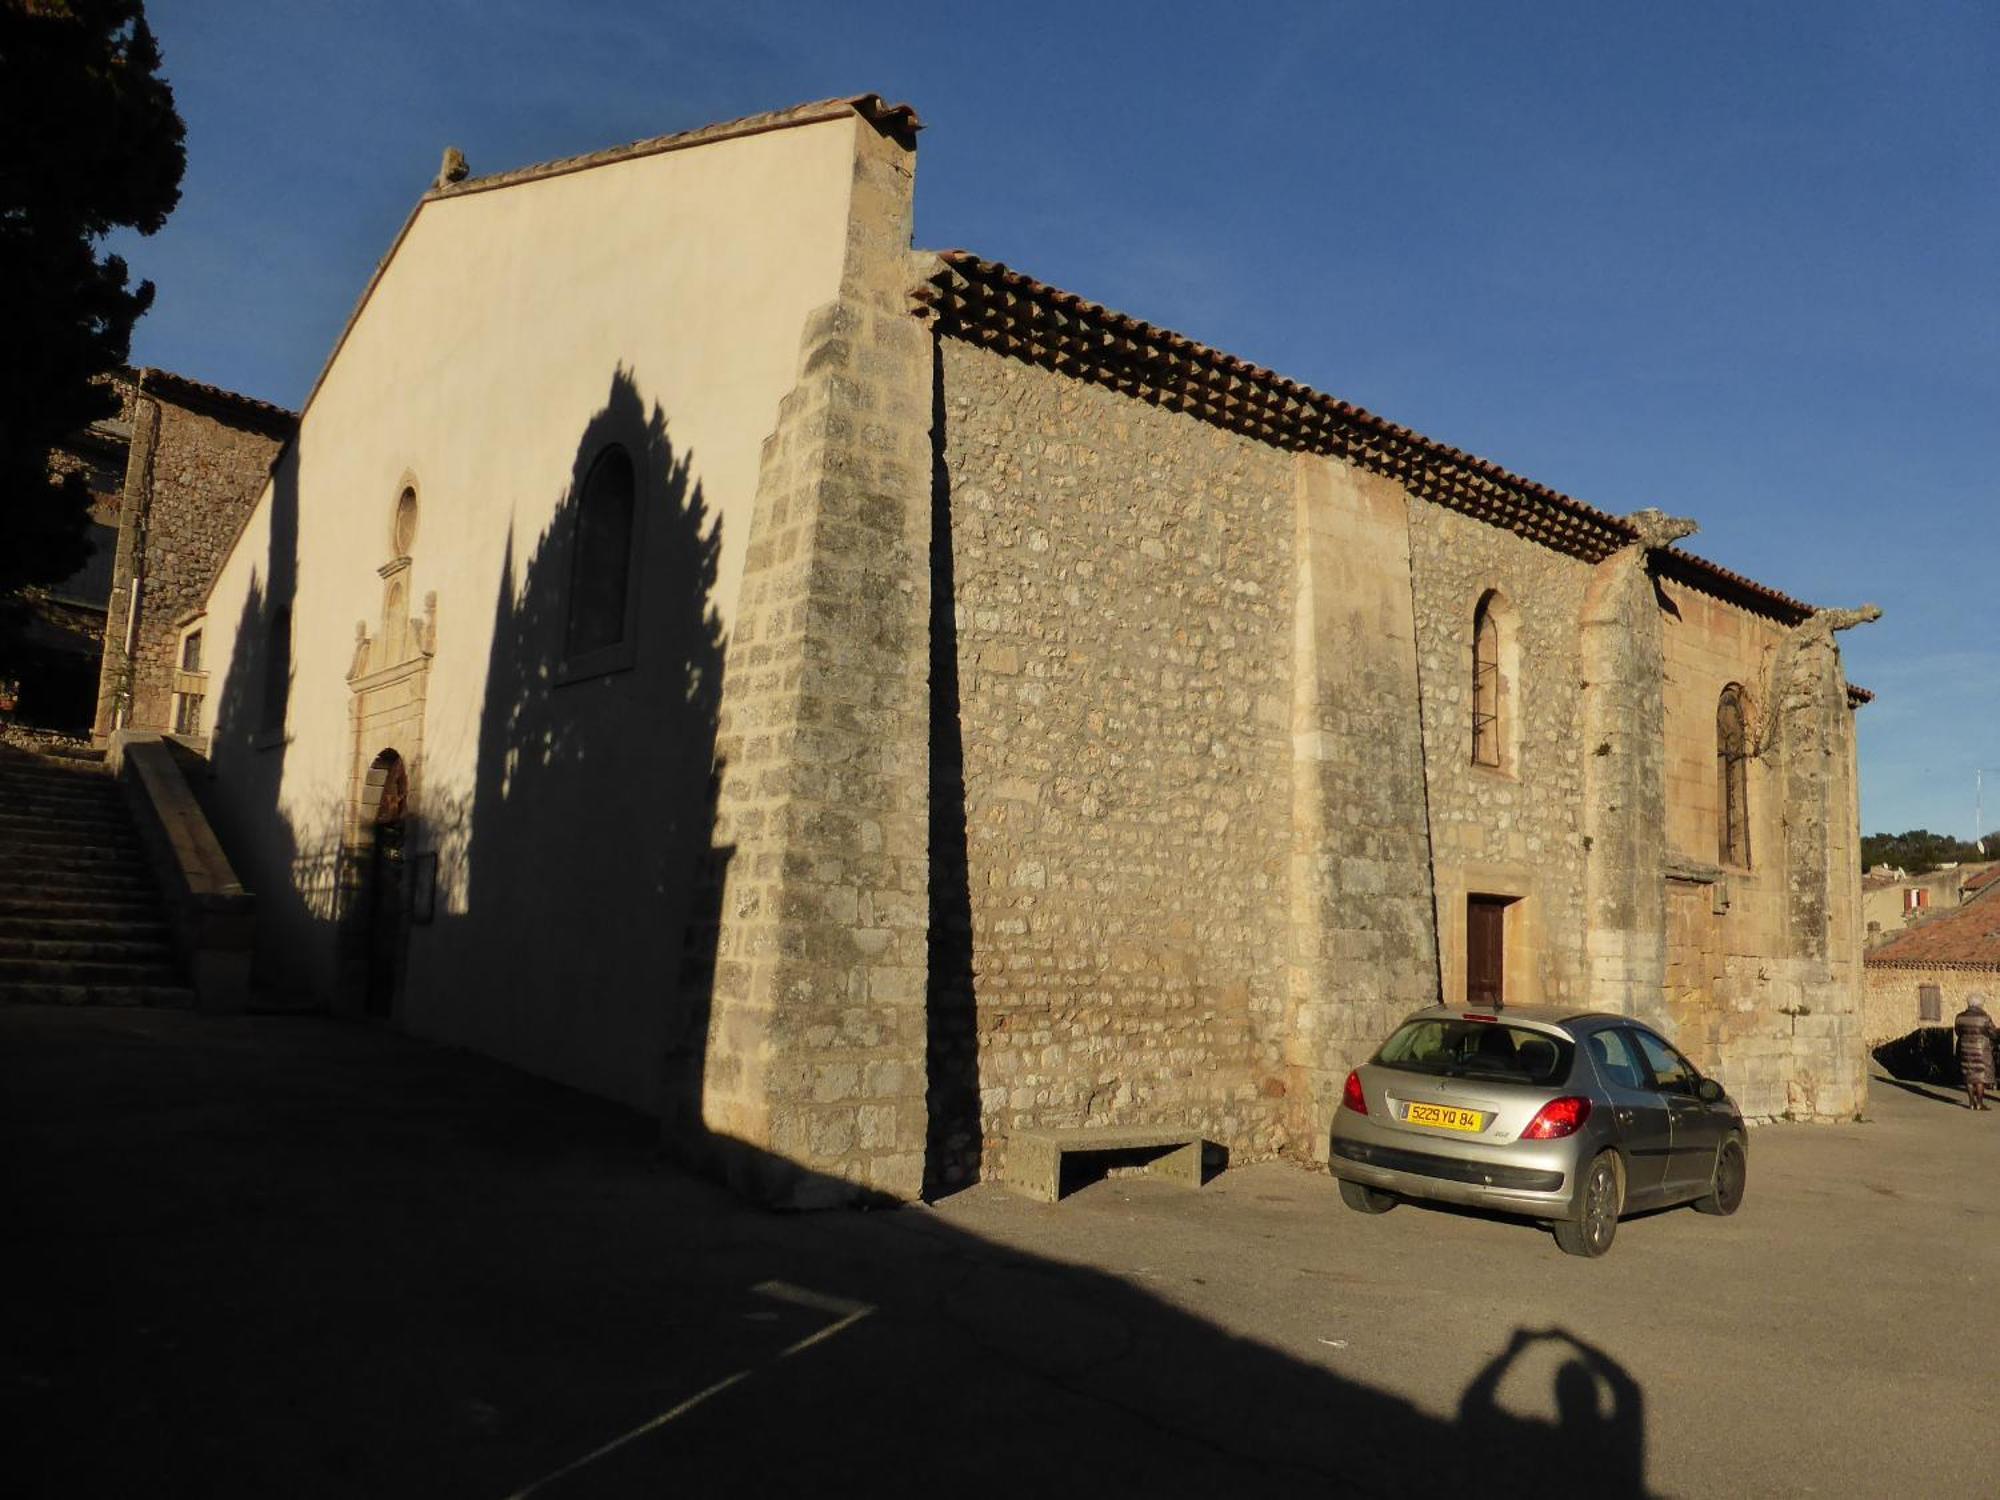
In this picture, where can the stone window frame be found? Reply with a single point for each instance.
(622, 654)
(1734, 749)
(1494, 705)
(402, 538)
(187, 707)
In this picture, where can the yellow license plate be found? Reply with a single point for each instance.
(1444, 1117)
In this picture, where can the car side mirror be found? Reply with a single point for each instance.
(1708, 1091)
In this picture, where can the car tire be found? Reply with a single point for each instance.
(1732, 1175)
(1600, 1195)
(1364, 1199)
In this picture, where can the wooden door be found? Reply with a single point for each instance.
(385, 894)
(1485, 951)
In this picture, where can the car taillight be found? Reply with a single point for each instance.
(1558, 1118)
(1351, 1096)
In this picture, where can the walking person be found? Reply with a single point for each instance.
(1975, 1031)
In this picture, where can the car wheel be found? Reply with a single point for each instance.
(1732, 1172)
(1598, 1200)
(1364, 1199)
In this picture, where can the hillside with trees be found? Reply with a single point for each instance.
(1919, 851)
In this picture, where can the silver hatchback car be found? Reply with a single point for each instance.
(1569, 1118)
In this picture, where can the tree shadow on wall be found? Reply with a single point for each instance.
(296, 875)
(577, 904)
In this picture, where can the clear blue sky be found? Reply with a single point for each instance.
(1737, 261)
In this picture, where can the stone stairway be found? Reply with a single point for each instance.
(81, 921)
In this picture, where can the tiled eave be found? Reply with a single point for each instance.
(984, 303)
(1950, 965)
(216, 401)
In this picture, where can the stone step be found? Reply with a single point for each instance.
(93, 787)
(86, 950)
(109, 878)
(143, 929)
(59, 783)
(64, 825)
(108, 846)
(69, 971)
(34, 870)
(74, 906)
(159, 996)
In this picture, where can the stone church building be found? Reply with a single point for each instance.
(861, 703)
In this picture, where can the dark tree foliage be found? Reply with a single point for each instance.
(1919, 851)
(89, 142)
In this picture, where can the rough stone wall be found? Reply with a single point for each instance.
(813, 1056)
(1725, 924)
(193, 476)
(100, 453)
(1514, 830)
(1124, 617)
(1761, 984)
(1891, 1008)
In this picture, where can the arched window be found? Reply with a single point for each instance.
(1486, 684)
(1732, 778)
(601, 567)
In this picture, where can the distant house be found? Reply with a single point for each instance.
(172, 477)
(1923, 976)
(200, 456)
(1892, 900)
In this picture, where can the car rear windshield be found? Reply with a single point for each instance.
(1478, 1049)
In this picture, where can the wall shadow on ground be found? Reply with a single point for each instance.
(1929, 1054)
(378, 1267)
(573, 870)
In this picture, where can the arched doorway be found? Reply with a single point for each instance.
(384, 806)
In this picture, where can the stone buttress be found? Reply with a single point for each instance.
(1625, 791)
(1364, 949)
(811, 1072)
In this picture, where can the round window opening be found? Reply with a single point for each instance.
(404, 533)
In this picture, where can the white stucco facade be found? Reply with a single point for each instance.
(655, 301)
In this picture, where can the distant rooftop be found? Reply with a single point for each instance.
(1967, 938)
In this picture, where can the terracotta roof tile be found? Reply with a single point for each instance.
(987, 303)
(1966, 938)
(262, 414)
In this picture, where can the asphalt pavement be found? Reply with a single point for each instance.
(290, 1256)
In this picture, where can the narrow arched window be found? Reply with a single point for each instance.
(601, 568)
(1732, 778)
(1486, 684)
